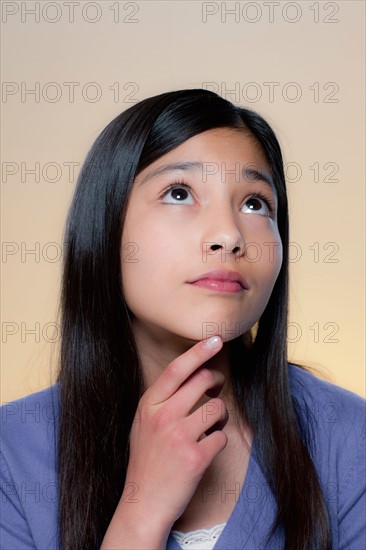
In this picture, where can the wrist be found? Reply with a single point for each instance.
(134, 527)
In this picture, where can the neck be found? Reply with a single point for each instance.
(157, 349)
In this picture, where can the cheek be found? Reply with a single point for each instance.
(140, 283)
(153, 245)
(266, 259)
(273, 256)
(262, 239)
(148, 259)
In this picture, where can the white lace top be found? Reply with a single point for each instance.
(202, 539)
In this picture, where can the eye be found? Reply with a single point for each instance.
(178, 193)
(253, 203)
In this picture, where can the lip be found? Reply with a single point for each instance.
(221, 280)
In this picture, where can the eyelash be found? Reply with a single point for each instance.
(176, 184)
(269, 203)
(265, 199)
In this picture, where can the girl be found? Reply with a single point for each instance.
(176, 420)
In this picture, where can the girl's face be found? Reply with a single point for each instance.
(184, 222)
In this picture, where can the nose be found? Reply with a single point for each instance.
(222, 232)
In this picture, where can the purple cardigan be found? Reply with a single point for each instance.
(29, 484)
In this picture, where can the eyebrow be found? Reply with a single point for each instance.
(170, 167)
(257, 175)
(248, 173)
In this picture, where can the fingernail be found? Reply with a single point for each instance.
(213, 342)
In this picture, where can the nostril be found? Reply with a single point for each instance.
(215, 246)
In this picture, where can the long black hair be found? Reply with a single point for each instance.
(100, 374)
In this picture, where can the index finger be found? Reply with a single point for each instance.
(181, 368)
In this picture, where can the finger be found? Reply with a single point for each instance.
(202, 381)
(180, 369)
(212, 416)
(212, 444)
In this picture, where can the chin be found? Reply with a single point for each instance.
(190, 329)
(226, 330)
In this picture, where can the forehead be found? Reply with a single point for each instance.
(226, 143)
(212, 151)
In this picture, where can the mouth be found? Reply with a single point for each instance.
(221, 281)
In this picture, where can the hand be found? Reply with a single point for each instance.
(169, 446)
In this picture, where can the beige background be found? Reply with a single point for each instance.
(311, 52)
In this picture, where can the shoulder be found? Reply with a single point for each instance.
(28, 428)
(328, 401)
(28, 460)
(37, 408)
(32, 402)
(336, 418)
(331, 409)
